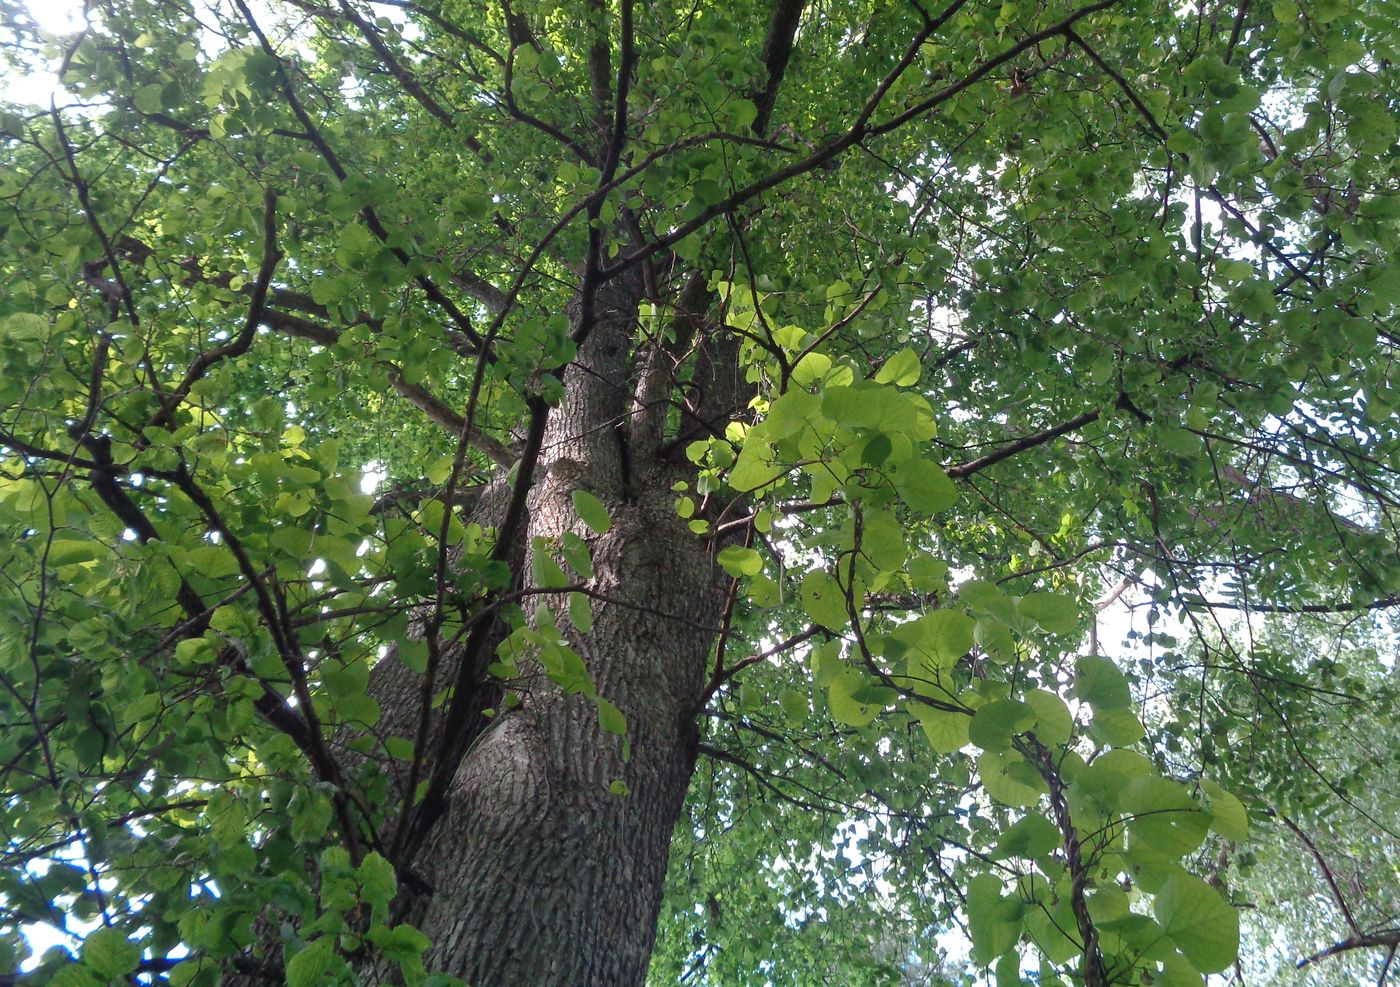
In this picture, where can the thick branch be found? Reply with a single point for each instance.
(1021, 445)
(439, 411)
(777, 52)
(1377, 940)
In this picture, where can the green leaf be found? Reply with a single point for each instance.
(1031, 837)
(580, 612)
(1056, 613)
(826, 662)
(824, 600)
(1053, 723)
(548, 574)
(402, 943)
(1099, 683)
(758, 465)
(1009, 970)
(740, 561)
(591, 511)
(995, 640)
(577, 555)
(1177, 971)
(316, 965)
(1227, 813)
(946, 731)
(1164, 815)
(610, 718)
(994, 724)
(866, 404)
(378, 882)
(847, 698)
(1051, 926)
(64, 551)
(924, 486)
(1010, 779)
(1201, 923)
(882, 541)
(1116, 727)
(24, 326)
(877, 450)
(901, 369)
(935, 642)
(110, 954)
(993, 920)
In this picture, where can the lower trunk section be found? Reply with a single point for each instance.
(543, 874)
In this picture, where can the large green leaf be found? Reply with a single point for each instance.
(853, 700)
(1202, 924)
(994, 920)
(1099, 683)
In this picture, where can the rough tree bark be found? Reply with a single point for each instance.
(538, 873)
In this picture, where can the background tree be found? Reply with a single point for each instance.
(770, 400)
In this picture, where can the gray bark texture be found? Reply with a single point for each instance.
(539, 873)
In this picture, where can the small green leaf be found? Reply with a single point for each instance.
(824, 600)
(924, 486)
(610, 718)
(1010, 778)
(826, 662)
(591, 511)
(1227, 813)
(757, 466)
(847, 698)
(24, 325)
(1177, 972)
(1009, 970)
(580, 612)
(576, 554)
(378, 881)
(877, 450)
(402, 943)
(935, 642)
(548, 573)
(882, 541)
(1031, 837)
(946, 731)
(1164, 815)
(1116, 728)
(993, 921)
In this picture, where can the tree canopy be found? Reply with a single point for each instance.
(930, 469)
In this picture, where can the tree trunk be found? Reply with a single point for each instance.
(541, 873)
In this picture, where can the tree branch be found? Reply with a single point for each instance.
(777, 52)
(240, 343)
(439, 411)
(1021, 445)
